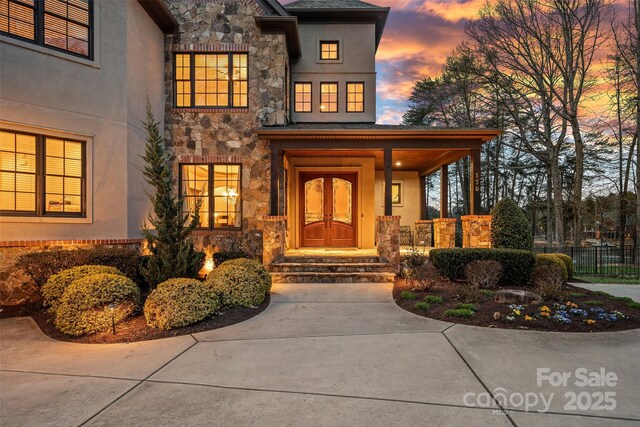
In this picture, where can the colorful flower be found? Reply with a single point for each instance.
(528, 318)
(591, 321)
(545, 309)
(545, 314)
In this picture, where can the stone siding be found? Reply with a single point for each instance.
(275, 239)
(424, 232)
(476, 231)
(388, 240)
(224, 26)
(444, 233)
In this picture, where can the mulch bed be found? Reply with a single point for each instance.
(135, 328)
(486, 307)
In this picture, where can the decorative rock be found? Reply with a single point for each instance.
(516, 296)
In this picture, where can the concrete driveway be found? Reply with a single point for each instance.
(321, 355)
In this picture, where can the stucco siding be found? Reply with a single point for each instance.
(409, 208)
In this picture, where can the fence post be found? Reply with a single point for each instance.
(596, 259)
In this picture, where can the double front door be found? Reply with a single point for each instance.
(328, 214)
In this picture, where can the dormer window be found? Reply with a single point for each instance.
(330, 50)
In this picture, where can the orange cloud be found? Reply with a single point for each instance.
(453, 11)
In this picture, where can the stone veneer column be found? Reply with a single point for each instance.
(424, 232)
(476, 231)
(274, 239)
(444, 233)
(388, 240)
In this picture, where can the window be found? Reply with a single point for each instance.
(211, 80)
(41, 175)
(60, 24)
(302, 97)
(329, 97)
(329, 50)
(218, 188)
(355, 97)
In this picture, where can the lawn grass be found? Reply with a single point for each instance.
(609, 280)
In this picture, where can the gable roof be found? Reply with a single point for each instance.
(340, 11)
(330, 4)
(273, 8)
(160, 14)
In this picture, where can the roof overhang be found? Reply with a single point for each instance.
(160, 14)
(375, 15)
(287, 25)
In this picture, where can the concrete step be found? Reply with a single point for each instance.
(318, 259)
(321, 267)
(318, 277)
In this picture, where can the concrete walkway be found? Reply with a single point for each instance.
(319, 355)
(631, 291)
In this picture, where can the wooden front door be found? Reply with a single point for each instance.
(328, 214)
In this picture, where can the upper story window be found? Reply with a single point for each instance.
(303, 96)
(330, 50)
(218, 187)
(355, 97)
(329, 97)
(59, 24)
(41, 175)
(211, 80)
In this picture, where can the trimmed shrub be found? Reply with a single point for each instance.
(239, 283)
(53, 290)
(568, 263)
(42, 265)
(84, 306)
(434, 299)
(465, 307)
(553, 259)
(180, 302)
(510, 228)
(468, 292)
(517, 265)
(223, 256)
(483, 273)
(408, 295)
(256, 267)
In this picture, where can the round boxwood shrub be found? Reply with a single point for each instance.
(240, 283)
(510, 228)
(53, 290)
(542, 259)
(568, 263)
(180, 302)
(254, 266)
(84, 306)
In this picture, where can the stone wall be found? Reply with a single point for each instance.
(226, 135)
(275, 239)
(424, 233)
(476, 231)
(444, 233)
(388, 240)
(16, 287)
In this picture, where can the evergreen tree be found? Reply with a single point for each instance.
(172, 250)
(510, 228)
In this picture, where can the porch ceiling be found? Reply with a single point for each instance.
(425, 161)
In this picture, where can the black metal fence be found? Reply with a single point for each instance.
(606, 261)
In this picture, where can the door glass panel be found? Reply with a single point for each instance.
(313, 200)
(342, 209)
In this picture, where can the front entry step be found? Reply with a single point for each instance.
(316, 277)
(332, 269)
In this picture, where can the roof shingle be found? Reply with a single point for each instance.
(330, 4)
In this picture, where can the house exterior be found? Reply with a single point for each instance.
(269, 116)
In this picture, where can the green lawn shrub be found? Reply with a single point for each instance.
(466, 306)
(459, 312)
(42, 265)
(434, 299)
(517, 264)
(510, 228)
(180, 302)
(223, 256)
(423, 305)
(53, 290)
(595, 303)
(240, 283)
(553, 259)
(568, 263)
(84, 306)
(408, 295)
(487, 292)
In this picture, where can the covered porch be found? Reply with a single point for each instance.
(385, 169)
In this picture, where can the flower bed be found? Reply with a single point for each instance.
(579, 310)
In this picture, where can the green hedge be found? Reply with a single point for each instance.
(568, 262)
(518, 265)
(84, 306)
(53, 290)
(510, 228)
(223, 256)
(554, 259)
(240, 283)
(180, 302)
(42, 265)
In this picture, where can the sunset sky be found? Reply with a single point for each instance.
(419, 36)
